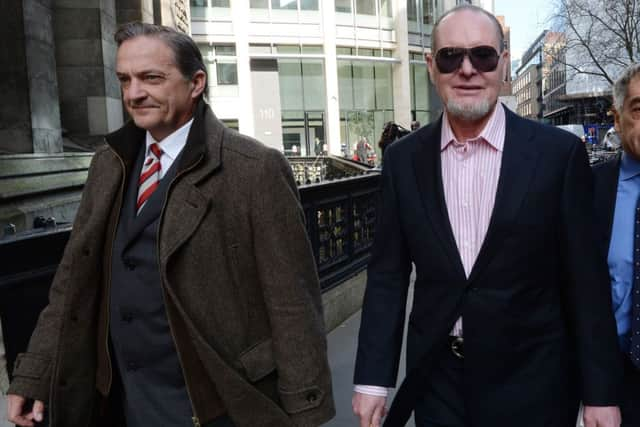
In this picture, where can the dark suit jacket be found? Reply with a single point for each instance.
(605, 185)
(539, 331)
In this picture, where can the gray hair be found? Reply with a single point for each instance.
(621, 86)
(187, 56)
(471, 8)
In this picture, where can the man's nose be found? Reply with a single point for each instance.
(467, 68)
(135, 90)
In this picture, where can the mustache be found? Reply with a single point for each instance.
(134, 104)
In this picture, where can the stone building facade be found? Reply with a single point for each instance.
(60, 97)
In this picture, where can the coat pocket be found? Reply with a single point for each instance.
(30, 365)
(258, 361)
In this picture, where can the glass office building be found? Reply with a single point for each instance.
(315, 76)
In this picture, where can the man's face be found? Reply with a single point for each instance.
(156, 94)
(468, 93)
(627, 121)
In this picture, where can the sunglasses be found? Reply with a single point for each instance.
(483, 58)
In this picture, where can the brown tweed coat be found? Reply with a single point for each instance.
(238, 276)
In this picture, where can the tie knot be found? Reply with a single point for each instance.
(156, 150)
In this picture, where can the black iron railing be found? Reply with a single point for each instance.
(340, 223)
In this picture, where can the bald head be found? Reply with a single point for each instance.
(468, 8)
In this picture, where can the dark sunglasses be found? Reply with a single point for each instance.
(483, 58)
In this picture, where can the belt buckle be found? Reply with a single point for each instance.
(457, 348)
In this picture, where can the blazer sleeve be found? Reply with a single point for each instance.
(291, 290)
(587, 288)
(384, 306)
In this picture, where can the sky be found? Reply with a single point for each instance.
(527, 19)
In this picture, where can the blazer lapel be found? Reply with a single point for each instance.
(605, 192)
(519, 161)
(427, 167)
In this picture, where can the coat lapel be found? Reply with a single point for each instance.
(519, 162)
(189, 206)
(427, 167)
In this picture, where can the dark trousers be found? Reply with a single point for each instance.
(630, 406)
(443, 403)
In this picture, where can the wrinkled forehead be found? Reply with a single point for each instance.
(467, 28)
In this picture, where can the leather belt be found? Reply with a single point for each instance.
(456, 344)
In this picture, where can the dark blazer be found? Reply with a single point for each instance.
(539, 332)
(605, 186)
(238, 279)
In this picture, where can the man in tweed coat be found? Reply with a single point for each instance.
(187, 294)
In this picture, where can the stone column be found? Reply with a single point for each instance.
(29, 113)
(402, 70)
(90, 101)
(332, 118)
(240, 19)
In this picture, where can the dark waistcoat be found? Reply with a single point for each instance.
(153, 383)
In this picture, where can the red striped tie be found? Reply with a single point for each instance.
(150, 176)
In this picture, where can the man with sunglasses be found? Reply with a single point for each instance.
(509, 323)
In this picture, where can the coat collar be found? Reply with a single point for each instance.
(519, 161)
(203, 143)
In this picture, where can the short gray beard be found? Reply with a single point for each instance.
(466, 111)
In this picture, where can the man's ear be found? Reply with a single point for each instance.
(616, 119)
(505, 69)
(198, 82)
(429, 58)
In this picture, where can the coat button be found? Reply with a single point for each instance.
(74, 318)
(127, 317)
(86, 251)
(129, 264)
(312, 397)
(132, 366)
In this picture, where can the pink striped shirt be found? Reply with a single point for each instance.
(470, 172)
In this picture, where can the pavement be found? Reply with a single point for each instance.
(342, 344)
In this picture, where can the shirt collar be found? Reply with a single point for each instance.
(493, 132)
(173, 144)
(629, 167)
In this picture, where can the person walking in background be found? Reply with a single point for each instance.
(617, 206)
(510, 323)
(187, 294)
(390, 133)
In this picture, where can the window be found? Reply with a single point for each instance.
(427, 12)
(211, 3)
(412, 10)
(225, 71)
(366, 7)
(309, 4)
(343, 6)
(259, 4)
(284, 4)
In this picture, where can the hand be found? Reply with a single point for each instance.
(16, 408)
(601, 416)
(369, 409)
